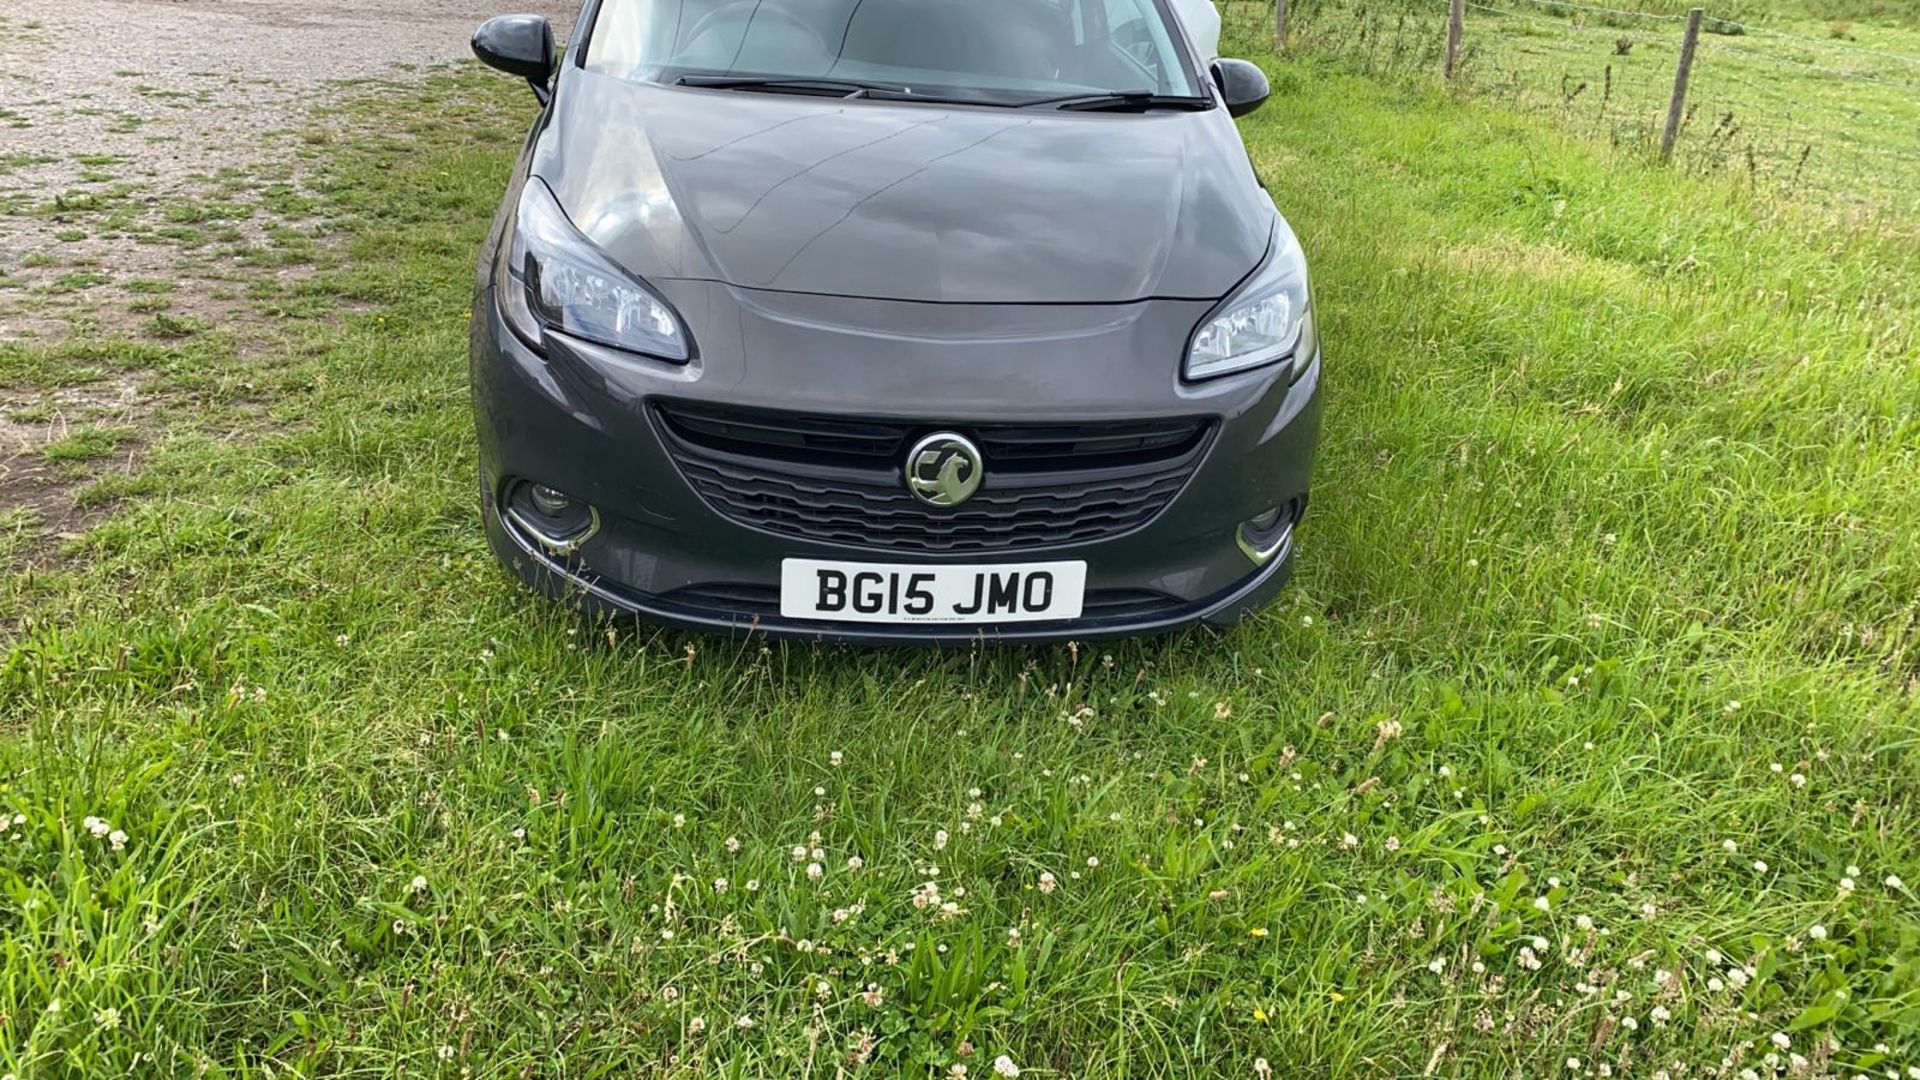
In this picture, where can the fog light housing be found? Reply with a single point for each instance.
(1268, 535)
(554, 519)
(551, 502)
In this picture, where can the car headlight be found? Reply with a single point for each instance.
(1268, 320)
(549, 277)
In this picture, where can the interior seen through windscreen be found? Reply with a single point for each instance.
(1000, 50)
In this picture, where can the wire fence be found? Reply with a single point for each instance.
(1828, 119)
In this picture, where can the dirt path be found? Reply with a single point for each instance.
(146, 149)
(125, 103)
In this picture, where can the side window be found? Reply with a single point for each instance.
(1131, 31)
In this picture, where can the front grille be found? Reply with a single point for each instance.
(763, 601)
(838, 481)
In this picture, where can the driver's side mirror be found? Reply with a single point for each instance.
(1242, 85)
(519, 45)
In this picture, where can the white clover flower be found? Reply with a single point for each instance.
(1817, 932)
(733, 845)
(799, 853)
(1629, 1023)
(743, 1022)
(1004, 1066)
(1846, 884)
(1584, 922)
(1894, 882)
(679, 821)
(836, 758)
(720, 886)
(445, 1053)
(815, 871)
(697, 1025)
(1541, 903)
(855, 862)
(1573, 1064)
(1048, 882)
(1781, 1039)
(418, 884)
(108, 1018)
(940, 840)
(1437, 965)
(117, 839)
(1660, 1015)
(1759, 866)
(1730, 845)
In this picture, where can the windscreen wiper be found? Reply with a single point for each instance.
(821, 87)
(840, 88)
(1122, 101)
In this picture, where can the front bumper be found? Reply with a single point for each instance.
(578, 419)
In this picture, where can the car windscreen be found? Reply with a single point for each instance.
(1000, 51)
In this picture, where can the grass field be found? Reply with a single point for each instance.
(1586, 742)
(1817, 110)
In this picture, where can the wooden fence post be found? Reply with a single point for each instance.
(1280, 25)
(1456, 29)
(1677, 108)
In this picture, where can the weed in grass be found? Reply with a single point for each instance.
(166, 326)
(76, 281)
(87, 444)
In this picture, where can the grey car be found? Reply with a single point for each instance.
(891, 321)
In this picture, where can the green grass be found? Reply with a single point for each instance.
(87, 444)
(1827, 112)
(1604, 634)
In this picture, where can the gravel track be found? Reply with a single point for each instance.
(136, 138)
(154, 99)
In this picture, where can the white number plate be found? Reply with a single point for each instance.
(889, 593)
